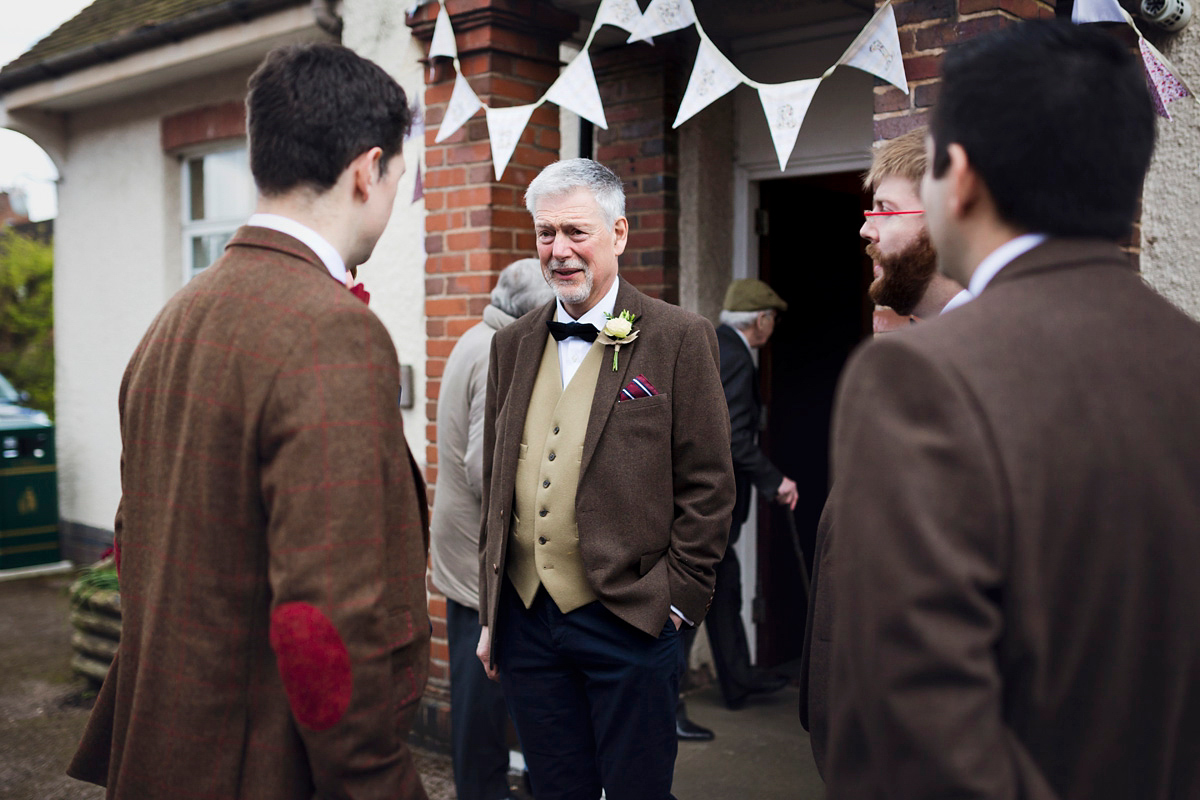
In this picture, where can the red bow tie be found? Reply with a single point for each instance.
(360, 291)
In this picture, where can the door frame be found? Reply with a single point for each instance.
(747, 179)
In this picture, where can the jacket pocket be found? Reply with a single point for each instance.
(648, 561)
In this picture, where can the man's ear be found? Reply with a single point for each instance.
(620, 235)
(965, 186)
(365, 169)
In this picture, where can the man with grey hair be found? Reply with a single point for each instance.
(748, 319)
(608, 489)
(478, 718)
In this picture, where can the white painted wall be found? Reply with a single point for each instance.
(395, 274)
(1171, 198)
(117, 260)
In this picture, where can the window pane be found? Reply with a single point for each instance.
(207, 249)
(196, 186)
(220, 186)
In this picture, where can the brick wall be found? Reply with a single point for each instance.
(641, 86)
(927, 28)
(476, 225)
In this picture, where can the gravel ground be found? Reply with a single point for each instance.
(43, 706)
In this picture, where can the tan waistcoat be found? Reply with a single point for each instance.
(543, 547)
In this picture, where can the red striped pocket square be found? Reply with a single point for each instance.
(637, 388)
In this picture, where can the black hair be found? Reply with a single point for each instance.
(1056, 119)
(314, 108)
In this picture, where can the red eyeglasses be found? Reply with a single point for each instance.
(870, 214)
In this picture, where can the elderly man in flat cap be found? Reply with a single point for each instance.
(747, 322)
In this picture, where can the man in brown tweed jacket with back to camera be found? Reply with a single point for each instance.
(271, 535)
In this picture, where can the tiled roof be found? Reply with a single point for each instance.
(110, 29)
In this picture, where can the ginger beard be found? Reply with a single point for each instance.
(571, 280)
(905, 275)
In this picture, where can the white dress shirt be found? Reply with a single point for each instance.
(572, 350)
(328, 254)
(996, 260)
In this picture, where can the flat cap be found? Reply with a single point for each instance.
(749, 294)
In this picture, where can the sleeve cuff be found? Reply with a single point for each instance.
(682, 616)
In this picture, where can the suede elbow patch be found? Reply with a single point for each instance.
(313, 663)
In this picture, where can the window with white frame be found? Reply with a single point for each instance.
(218, 197)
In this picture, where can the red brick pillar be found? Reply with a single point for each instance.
(927, 28)
(475, 225)
(641, 88)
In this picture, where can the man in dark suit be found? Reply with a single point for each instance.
(1018, 609)
(608, 490)
(271, 535)
(748, 319)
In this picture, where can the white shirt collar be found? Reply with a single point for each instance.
(1000, 258)
(960, 299)
(328, 254)
(595, 314)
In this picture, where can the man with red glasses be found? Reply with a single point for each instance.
(908, 282)
(906, 276)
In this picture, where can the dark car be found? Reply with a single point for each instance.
(13, 414)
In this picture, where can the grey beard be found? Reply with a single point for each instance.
(567, 295)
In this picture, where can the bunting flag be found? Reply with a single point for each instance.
(713, 77)
(443, 37)
(576, 90)
(1165, 84)
(418, 185)
(505, 126)
(624, 14)
(785, 105)
(462, 106)
(664, 16)
(1098, 11)
(876, 49)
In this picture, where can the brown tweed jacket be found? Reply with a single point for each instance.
(1013, 555)
(656, 489)
(271, 543)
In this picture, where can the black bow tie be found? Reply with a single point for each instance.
(563, 330)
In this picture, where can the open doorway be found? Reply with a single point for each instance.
(811, 254)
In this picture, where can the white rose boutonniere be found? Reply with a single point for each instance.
(618, 331)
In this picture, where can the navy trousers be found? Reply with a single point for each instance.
(478, 716)
(592, 697)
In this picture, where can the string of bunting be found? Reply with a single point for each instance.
(876, 50)
(1165, 82)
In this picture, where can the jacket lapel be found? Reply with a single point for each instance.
(520, 390)
(609, 384)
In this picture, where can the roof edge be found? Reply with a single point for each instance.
(140, 39)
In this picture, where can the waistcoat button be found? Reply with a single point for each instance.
(555, 430)
(546, 484)
(552, 456)
(541, 540)
(543, 513)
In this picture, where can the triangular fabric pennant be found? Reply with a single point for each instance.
(876, 49)
(664, 16)
(785, 105)
(443, 37)
(713, 77)
(462, 106)
(623, 14)
(1098, 11)
(576, 90)
(418, 185)
(505, 126)
(1165, 85)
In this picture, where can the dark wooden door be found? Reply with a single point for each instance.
(812, 255)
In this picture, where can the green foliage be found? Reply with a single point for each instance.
(27, 317)
(101, 577)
